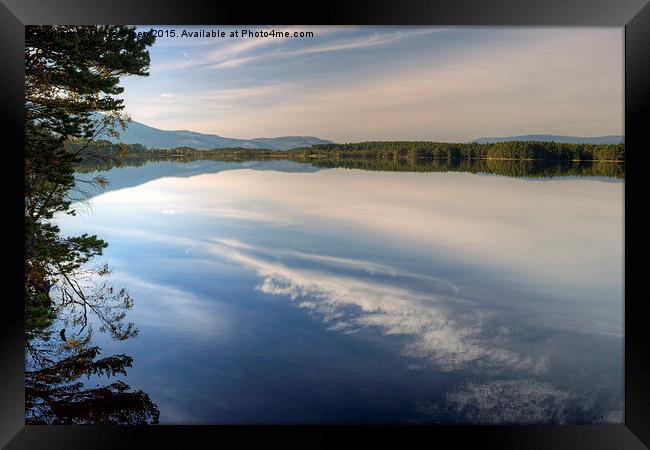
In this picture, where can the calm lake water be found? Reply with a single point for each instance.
(278, 292)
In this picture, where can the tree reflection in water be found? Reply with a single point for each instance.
(55, 392)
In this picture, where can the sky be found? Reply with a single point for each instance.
(352, 84)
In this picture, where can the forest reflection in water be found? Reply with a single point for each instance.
(511, 168)
(294, 293)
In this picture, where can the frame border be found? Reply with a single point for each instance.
(633, 14)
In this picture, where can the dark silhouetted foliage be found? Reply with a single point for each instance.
(71, 73)
(54, 394)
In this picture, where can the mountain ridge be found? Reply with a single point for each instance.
(139, 133)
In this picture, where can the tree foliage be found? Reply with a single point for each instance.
(72, 73)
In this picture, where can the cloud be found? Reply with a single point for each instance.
(212, 101)
(235, 62)
(365, 42)
(226, 52)
(509, 90)
(254, 91)
(539, 81)
(374, 40)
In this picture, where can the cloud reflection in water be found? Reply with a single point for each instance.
(347, 303)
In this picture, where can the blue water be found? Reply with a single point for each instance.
(276, 292)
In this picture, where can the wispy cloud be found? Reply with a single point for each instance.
(373, 40)
(451, 84)
(235, 62)
(229, 51)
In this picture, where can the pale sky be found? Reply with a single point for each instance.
(352, 84)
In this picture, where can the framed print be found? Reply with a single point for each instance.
(390, 220)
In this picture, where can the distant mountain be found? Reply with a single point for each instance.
(553, 138)
(139, 133)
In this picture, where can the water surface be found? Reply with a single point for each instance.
(279, 292)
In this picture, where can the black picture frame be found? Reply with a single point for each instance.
(634, 15)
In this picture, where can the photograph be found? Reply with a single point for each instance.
(324, 225)
(332, 224)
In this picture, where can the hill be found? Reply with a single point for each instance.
(139, 133)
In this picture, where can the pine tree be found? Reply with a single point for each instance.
(71, 74)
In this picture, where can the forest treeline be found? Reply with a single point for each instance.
(103, 148)
(387, 150)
